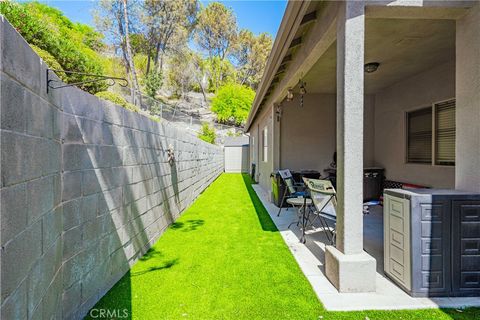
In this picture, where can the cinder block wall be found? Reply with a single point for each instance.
(86, 188)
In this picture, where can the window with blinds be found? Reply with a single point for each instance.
(419, 128)
(445, 133)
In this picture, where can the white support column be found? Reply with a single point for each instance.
(348, 267)
(467, 87)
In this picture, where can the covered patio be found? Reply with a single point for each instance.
(311, 259)
(426, 54)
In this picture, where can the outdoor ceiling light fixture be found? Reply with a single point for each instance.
(371, 67)
(289, 94)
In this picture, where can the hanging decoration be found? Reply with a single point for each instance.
(289, 94)
(278, 111)
(303, 91)
(170, 154)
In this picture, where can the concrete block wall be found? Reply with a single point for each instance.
(86, 188)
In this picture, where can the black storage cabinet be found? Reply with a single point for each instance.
(310, 174)
(432, 241)
(372, 183)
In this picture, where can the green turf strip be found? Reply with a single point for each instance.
(225, 259)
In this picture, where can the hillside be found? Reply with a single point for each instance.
(178, 57)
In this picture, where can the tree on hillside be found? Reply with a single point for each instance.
(167, 25)
(220, 72)
(251, 54)
(216, 30)
(140, 44)
(232, 103)
(199, 73)
(114, 17)
(129, 56)
(181, 72)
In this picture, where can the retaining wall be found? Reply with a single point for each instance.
(86, 188)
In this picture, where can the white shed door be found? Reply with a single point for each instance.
(236, 159)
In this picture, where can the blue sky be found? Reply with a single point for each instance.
(258, 16)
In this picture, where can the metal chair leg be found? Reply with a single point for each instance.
(281, 202)
(325, 228)
(296, 221)
(305, 220)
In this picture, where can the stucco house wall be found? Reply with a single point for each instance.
(264, 168)
(308, 133)
(391, 105)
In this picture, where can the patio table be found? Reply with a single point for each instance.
(301, 204)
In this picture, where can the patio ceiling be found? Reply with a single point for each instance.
(403, 47)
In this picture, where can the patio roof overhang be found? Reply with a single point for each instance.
(298, 16)
(299, 44)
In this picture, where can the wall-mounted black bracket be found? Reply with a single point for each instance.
(96, 77)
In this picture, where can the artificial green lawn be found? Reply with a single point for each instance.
(224, 259)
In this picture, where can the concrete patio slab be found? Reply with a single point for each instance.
(311, 258)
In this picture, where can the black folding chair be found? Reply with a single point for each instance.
(292, 190)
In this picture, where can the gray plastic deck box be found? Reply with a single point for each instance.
(432, 241)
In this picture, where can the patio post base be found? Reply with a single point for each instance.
(350, 272)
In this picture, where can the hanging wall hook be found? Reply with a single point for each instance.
(51, 82)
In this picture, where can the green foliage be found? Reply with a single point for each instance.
(221, 72)
(216, 29)
(117, 99)
(232, 103)
(233, 133)
(166, 26)
(207, 133)
(50, 61)
(181, 74)
(154, 118)
(153, 82)
(155, 108)
(89, 37)
(251, 54)
(69, 43)
(139, 44)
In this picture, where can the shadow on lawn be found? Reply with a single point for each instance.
(262, 214)
(189, 225)
(151, 254)
(164, 265)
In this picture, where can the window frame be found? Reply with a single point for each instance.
(252, 148)
(265, 144)
(433, 108)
